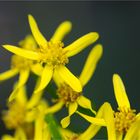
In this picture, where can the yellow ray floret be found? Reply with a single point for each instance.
(120, 92)
(91, 63)
(22, 80)
(69, 78)
(22, 52)
(8, 74)
(63, 29)
(40, 39)
(81, 43)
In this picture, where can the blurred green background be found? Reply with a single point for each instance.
(118, 24)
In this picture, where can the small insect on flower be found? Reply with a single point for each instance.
(22, 66)
(52, 54)
(67, 96)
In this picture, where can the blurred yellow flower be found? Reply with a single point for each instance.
(52, 55)
(22, 66)
(21, 110)
(18, 135)
(39, 127)
(26, 117)
(67, 96)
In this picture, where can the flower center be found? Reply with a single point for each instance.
(66, 93)
(124, 118)
(20, 62)
(53, 54)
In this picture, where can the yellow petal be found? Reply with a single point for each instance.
(81, 43)
(38, 129)
(28, 43)
(120, 92)
(63, 29)
(134, 131)
(35, 98)
(22, 95)
(93, 120)
(90, 64)
(20, 134)
(85, 103)
(37, 69)
(65, 122)
(45, 78)
(119, 136)
(56, 77)
(31, 115)
(90, 132)
(22, 52)
(42, 106)
(69, 78)
(8, 74)
(23, 77)
(110, 122)
(40, 39)
(138, 116)
(67, 134)
(97, 122)
(104, 117)
(7, 137)
(72, 108)
(46, 133)
(54, 108)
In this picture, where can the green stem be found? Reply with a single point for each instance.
(53, 127)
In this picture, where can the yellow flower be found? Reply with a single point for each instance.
(124, 124)
(52, 55)
(126, 120)
(39, 130)
(67, 96)
(21, 110)
(22, 66)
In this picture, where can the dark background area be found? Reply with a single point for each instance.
(118, 24)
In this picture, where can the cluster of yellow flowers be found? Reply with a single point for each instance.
(32, 118)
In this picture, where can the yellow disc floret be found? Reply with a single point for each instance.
(67, 94)
(20, 63)
(124, 118)
(53, 54)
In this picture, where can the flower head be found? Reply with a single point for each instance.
(52, 54)
(125, 117)
(122, 124)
